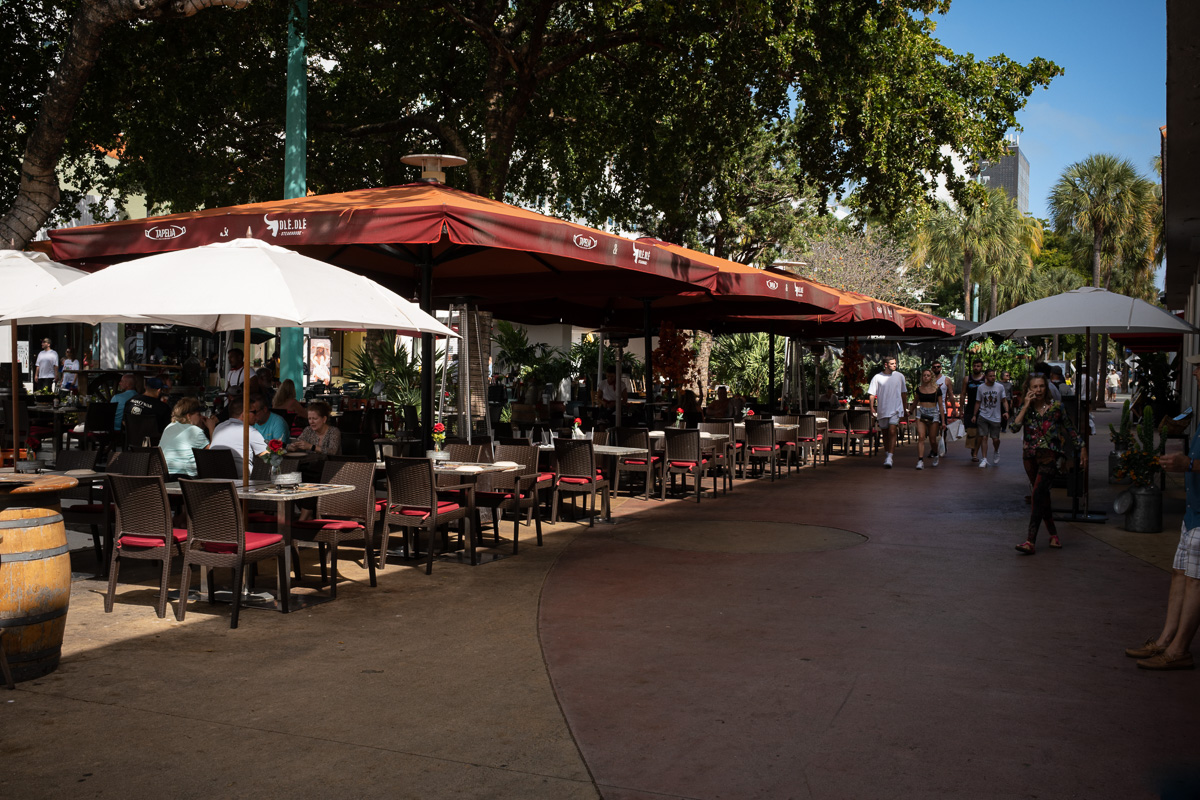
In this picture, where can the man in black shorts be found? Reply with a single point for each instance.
(971, 383)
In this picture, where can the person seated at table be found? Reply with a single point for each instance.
(188, 429)
(228, 435)
(150, 404)
(609, 392)
(319, 437)
(691, 409)
(828, 400)
(720, 407)
(271, 426)
(125, 391)
(285, 399)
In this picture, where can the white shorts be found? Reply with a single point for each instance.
(887, 422)
(1187, 555)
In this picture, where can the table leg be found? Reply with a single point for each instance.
(283, 513)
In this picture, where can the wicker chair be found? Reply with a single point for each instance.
(723, 452)
(811, 440)
(217, 538)
(157, 462)
(414, 506)
(577, 474)
(215, 464)
(761, 444)
(648, 466)
(860, 429)
(144, 531)
(98, 512)
(349, 516)
(512, 491)
(683, 456)
(736, 449)
(838, 430)
(98, 423)
(788, 446)
(140, 430)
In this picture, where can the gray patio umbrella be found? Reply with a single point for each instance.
(1084, 311)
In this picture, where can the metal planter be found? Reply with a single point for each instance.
(1146, 514)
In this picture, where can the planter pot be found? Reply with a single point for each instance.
(1146, 514)
(1113, 458)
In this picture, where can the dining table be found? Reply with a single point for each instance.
(284, 497)
(58, 414)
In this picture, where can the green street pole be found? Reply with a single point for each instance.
(291, 340)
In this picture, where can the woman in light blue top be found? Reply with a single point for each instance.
(186, 431)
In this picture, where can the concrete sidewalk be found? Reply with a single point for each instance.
(849, 632)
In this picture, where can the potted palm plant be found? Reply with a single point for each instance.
(1121, 436)
(1139, 461)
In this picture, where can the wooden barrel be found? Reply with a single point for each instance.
(35, 588)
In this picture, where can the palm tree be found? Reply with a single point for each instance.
(1013, 271)
(980, 233)
(1103, 196)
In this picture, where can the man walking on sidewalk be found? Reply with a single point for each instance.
(889, 398)
(970, 394)
(1171, 649)
(991, 411)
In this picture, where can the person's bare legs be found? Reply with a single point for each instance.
(889, 440)
(982, 450)
(996, 447)
(1189, 620)
(921, 428)
(1174, 607)
(934, 429)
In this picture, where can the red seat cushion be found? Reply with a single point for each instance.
(640, 462)
(380, 505)
(788, 444)
(856, 430)
(494, 498)
(811, 438)
(444, 507)
(837, 430)
(577, 481)
(763, 449)
(327, 524)
(132, 540)
(545, 476)
(254, 541)
(687, 464)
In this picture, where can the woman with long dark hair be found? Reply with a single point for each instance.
(1048, 431)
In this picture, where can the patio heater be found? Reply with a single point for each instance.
(433, 165)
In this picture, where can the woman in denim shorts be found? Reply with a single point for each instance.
(929, 409)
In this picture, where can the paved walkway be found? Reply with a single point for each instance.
(849, 632)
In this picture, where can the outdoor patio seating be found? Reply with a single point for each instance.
(682, 455)
(97, 512)
(577, 474)
(140, 430)
(861, 431)
(512, 491)
(217, 539)
(789, 448)
(723, 451)
(143, 531)
(342, 518)
(761, 445)
(649, 466)
(98, 422)
(838, 430)
(413, 505)
(811, 440)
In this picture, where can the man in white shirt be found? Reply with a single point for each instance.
(237, 370)
(991, 408)
(944, 383)
(45, 369)
(889, 398)
(228, 435)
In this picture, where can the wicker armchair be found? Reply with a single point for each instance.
(838, 430)
(345, 517)
(414, 506)
(98, 512)
(861, 429)
(723, 452)
(683, 456)
(649, 466)
(761, 444)
(513, 491)
(577, 474)
(215, 464)
(217, 538)
(98, 425)
(144, 531)
(788, 446)
(811, 440)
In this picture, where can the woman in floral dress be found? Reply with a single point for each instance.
(1048, 431)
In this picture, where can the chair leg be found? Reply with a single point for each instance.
(211, 580)
(185, 581)
(429, 556)
(284, 589)
(592, 516)
(516, 528)
(113, 568)
(161, 607)
(98, 545)
(237, 594)
(554, 507)
(369, 551)
(333, 556)
(537, 521)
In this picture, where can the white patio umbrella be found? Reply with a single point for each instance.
(24, 277)
(242, 283)
(1084, 311)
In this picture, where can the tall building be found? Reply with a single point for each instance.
(1010, 173)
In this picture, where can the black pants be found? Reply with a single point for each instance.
(1041, 469)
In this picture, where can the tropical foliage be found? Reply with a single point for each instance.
(388, 367)
(1139, 460)
(742, 361)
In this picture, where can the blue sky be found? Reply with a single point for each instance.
(1112, 97)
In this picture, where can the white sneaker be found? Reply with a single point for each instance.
(935, 461)
(887, 462)
(995, 460)
(982, 463)
(920, 463)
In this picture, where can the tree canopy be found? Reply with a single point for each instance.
(637, 116)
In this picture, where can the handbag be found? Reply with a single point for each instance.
(956, 430)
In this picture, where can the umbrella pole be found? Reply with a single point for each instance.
(464, 367)
(486, 405)
(599, 361)
(445, 369)
(617, 415)
(15, 395)
(245, 420)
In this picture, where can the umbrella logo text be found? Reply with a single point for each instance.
(286, 226)
(163, 233)
(772, 285)
(585, 242)
(641, 255)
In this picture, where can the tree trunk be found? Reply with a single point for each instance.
(703, 361)
(38, 193)
(995, 299)
(967, 284)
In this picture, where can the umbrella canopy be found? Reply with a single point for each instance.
(26, 276)
(217, 287)
(1081, 311)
